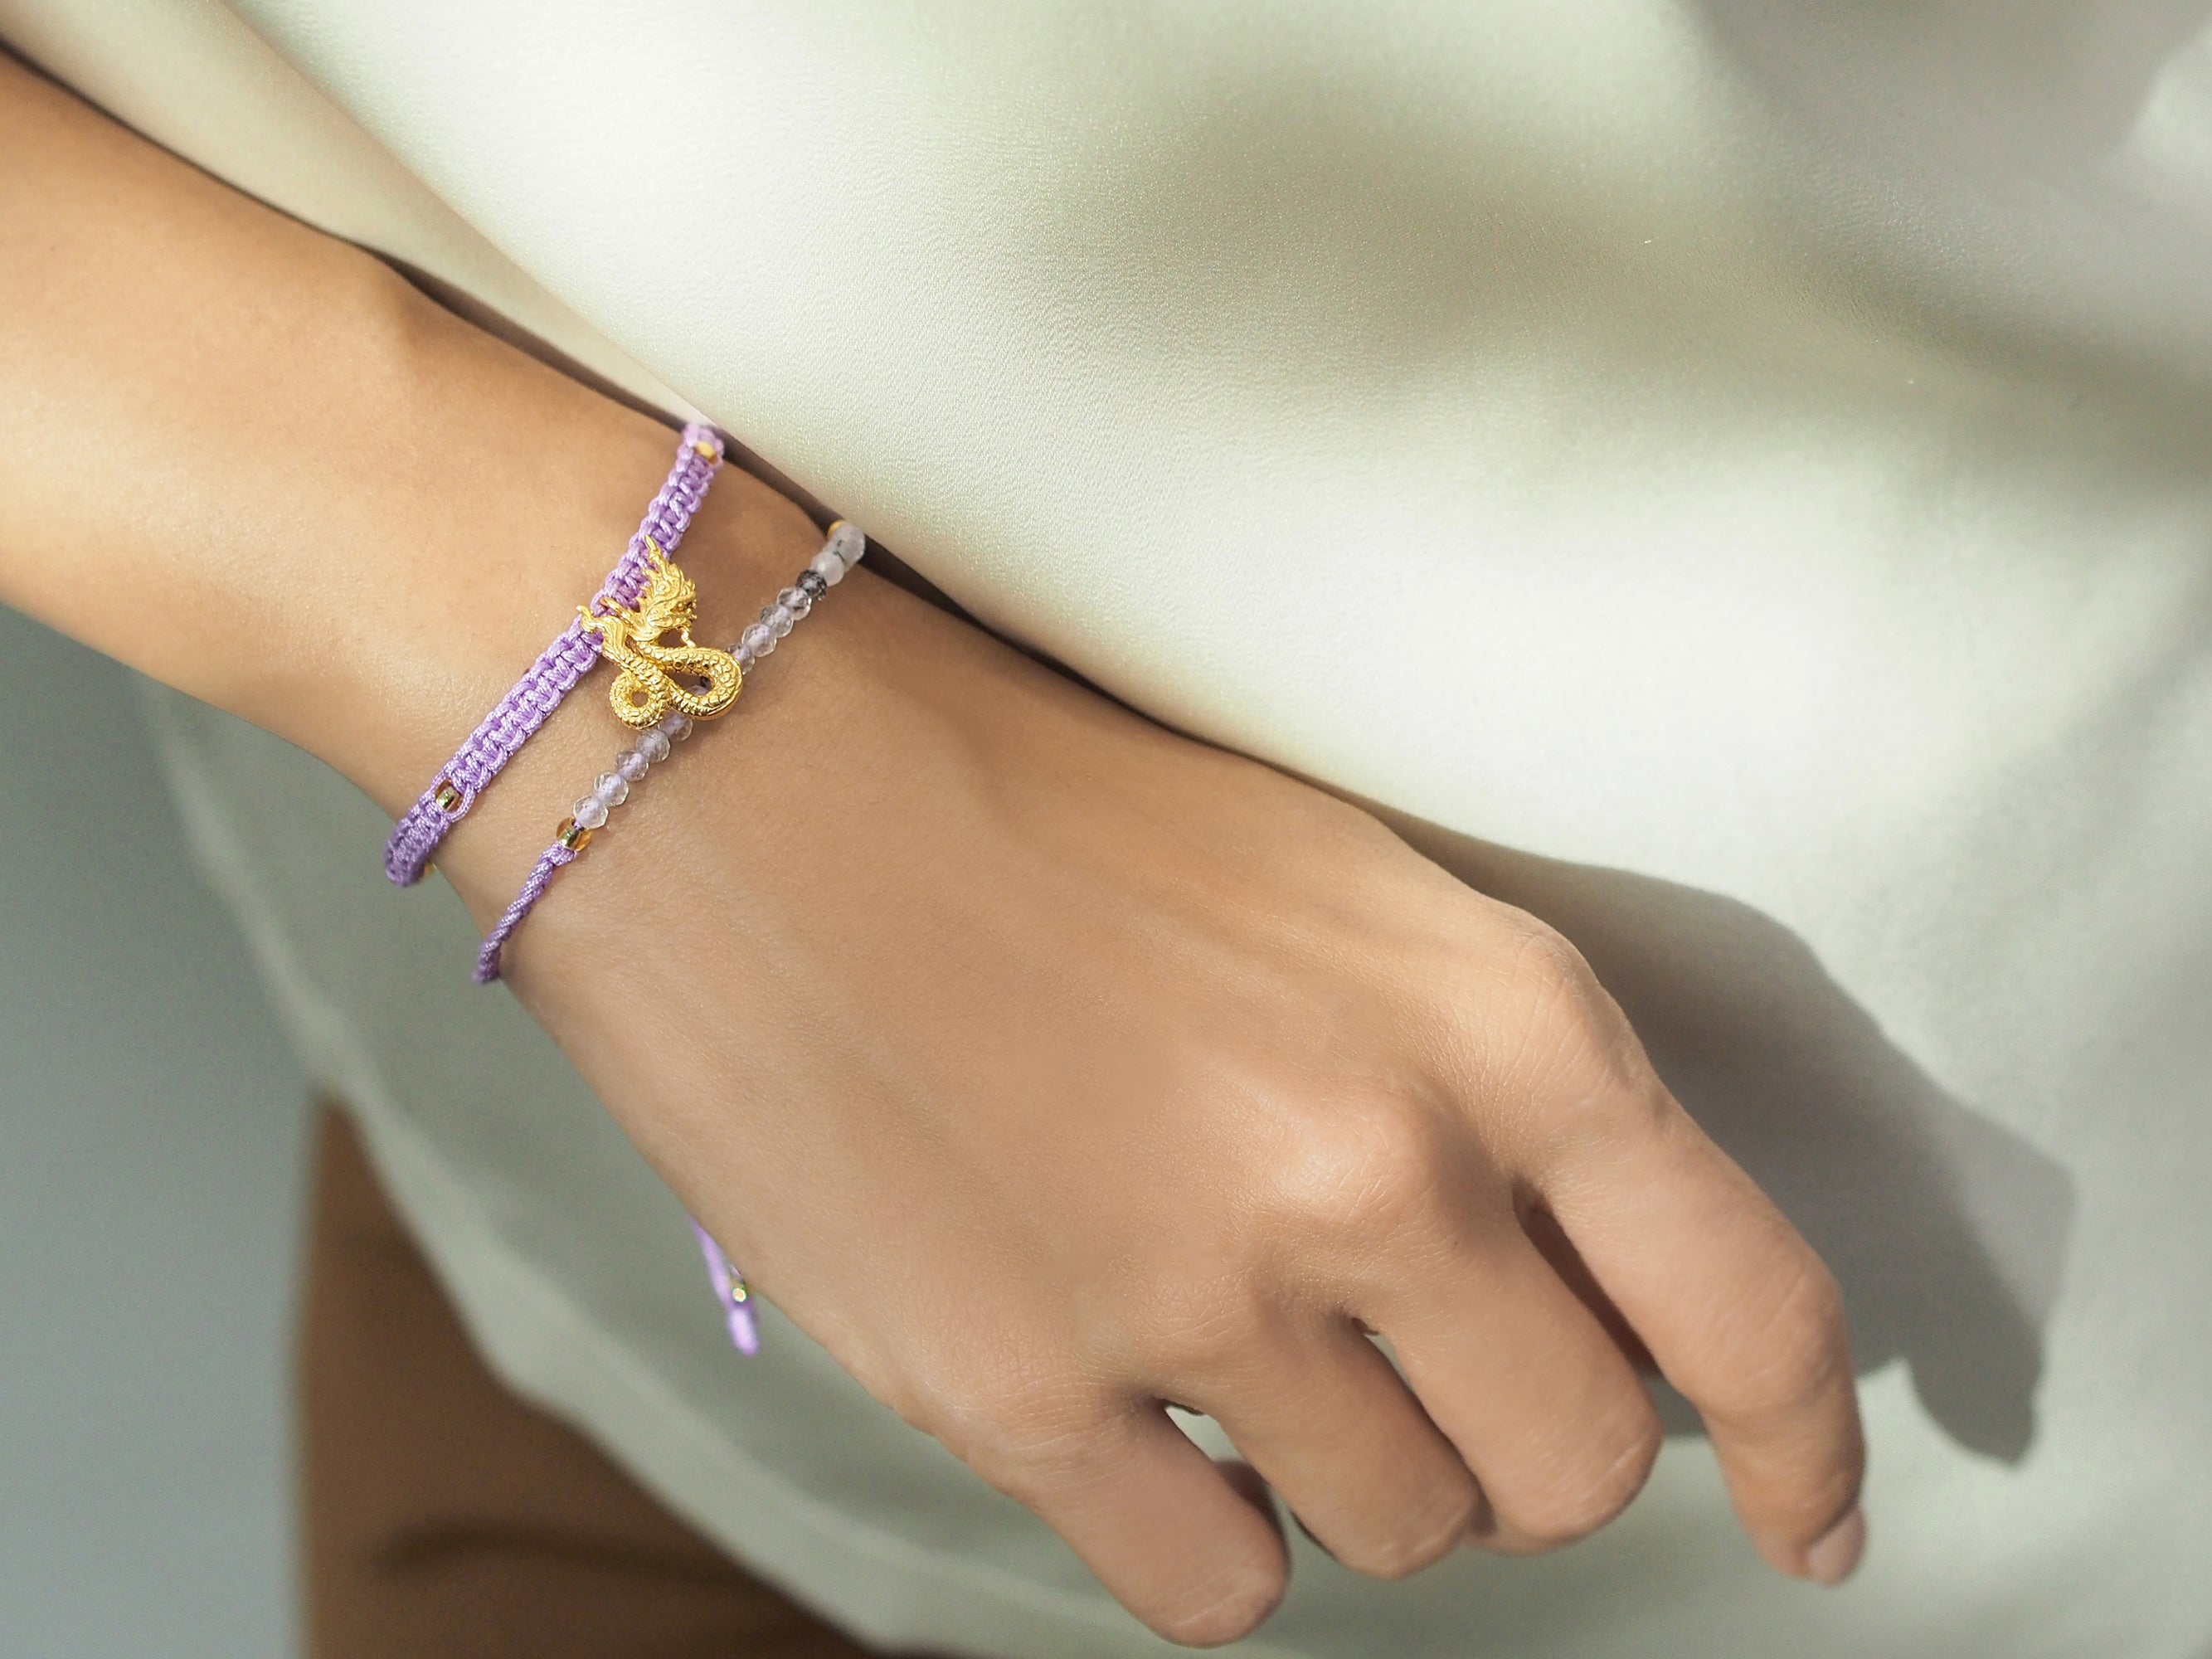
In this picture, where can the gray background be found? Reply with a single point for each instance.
(153, 1139)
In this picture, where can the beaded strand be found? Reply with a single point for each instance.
(841, 549)
(839, 552)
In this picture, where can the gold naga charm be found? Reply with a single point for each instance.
(657, 678)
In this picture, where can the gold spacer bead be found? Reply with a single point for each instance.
(706, 451)
(446, 796)
(573, 836)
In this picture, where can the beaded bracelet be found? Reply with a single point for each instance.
(416, 837)
(841, 550)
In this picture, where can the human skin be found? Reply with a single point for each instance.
(1042, 1064)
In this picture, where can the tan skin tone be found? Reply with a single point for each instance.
(1042, 1064)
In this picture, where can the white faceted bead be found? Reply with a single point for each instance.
(796, 600)
(776, 620)
(678, 725)
(632, 765)
(612, 788)
(653, 745)
(758, 641)
(828, 566)
(848, 542)
(591, 813)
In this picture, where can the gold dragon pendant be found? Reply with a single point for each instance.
(657, 678)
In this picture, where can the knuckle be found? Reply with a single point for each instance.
(1571, 1508)
(1546, 962)
(1020, 1439)
(1571, 1052)
(1029, 1465)
(1421, 1542)
(1796, 1351)
(1362, 1169)
(1212, 1334)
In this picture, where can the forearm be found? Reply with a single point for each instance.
(254, 463)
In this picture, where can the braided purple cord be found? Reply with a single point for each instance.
(549, 863)
(415, 838)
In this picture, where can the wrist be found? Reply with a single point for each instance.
(466, 639)
(580, 762)
(480, 498)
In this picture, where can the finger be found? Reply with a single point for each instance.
(1538, 1399)
(1559, 1254)
(1740, 1314)
(1324, 1419)
(1193, 1554)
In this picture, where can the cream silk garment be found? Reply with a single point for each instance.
(1732, 475)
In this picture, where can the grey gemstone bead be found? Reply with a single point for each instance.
(813, 584)
(848, 542)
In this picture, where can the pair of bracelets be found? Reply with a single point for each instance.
(660, 690)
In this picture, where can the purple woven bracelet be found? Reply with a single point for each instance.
(416, 837)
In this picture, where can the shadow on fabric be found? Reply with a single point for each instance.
(1947, 1231)
(2063, 81)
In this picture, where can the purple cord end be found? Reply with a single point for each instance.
(730, 1290)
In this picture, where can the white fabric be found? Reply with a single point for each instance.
(1750, 454)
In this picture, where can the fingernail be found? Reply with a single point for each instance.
(1836, 1556)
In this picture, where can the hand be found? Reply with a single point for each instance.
(1042, 1065)
(1046, 1067)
